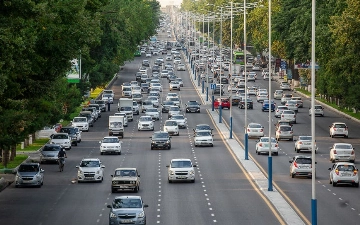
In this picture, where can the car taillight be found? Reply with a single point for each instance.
(291, 132)
(346, 128)
(355, 172)
(295, 164)
(248, 130)
(337, 172)
(282, 115)
(352, 152)
(335, 152)
(294, 116)
(300, 143)
(334, 129)
(286, 105)
(276, 145)
(260, 144)
(261, 130)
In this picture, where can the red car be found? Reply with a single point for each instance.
(225, 103)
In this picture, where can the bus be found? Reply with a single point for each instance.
(239, 57)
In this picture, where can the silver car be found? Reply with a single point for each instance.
(62, 139)
(301, 166)
(49, 153)
(29, 174)
(127, 210)
(284, 132)
(344, 173)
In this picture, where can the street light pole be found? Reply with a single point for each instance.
(220, 105)
(270, 186)
(230, 67)
(246, 137)
(313, 190)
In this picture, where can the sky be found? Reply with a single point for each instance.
(169, 2)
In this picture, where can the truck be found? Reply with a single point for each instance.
(125, 105)
(116, 126)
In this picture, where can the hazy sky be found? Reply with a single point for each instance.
(169, 2)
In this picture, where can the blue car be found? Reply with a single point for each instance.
(265, 106)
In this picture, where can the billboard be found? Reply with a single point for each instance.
(73, 75)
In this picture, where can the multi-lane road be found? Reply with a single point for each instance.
(222, 193)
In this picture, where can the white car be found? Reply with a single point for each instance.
(145, 123)
(279, 110)
(262, 146)
(146, 105)
(256, 68)
(180, 119)
(344, 173)
(164, 74)
(319, 110)
(203, 138)
(156, 86)
(342, 152)
(173, 110)
(81, 123)
(176, 100)
(251, 91)
(136, 108)
(90, 169)
(136, 90)
(126, 92)
(255, 130)
(180, 81)
(292, 105)
(62, 139)
(288, 115)
(148, 54)
(172, 127)
(171, 95)
(111, 145)
(285, 98)
(284, 132)
(126, 121)
(303, 143)
(181, 170)
(169, 57)
(301, 166)
(153, 113)
(133, 83)
(262, 96)
(285, 86)
(174, 85)
(180, 67)
(108, 98)
(339, 129)
(177, 60)
(154, 100)
(278, 94)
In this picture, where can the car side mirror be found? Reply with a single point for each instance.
(77, 166)
(194, 165)
(329, 169)
(41, 170)
(290, 161)
(315, 162)
(138, 175)
(102, 166)
(99, 142)
(112, 175)
(167, 166)
(109, 206)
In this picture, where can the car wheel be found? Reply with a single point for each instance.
(346, 136)
(170, 181)
(113, 190)
(332, 136)
(101, 153)
(136, 190)
(334, 184)
(330, 182)
(119, 153)
(276, 153)
(356, 185)
(297, 150)
(76, 143)
(352, 161)
(333, 161)
(258, 153)
(151, 148)
(292, 175)
(193, 181)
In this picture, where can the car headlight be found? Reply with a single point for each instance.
(98, 172)
(67, 142)
(168, 142)
(141, 215)
(192, 172)
(80, 172)
(112, 215)
(18, 176)
(171, 172)
(52, 142)
(103, 146)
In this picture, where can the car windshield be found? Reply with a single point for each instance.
(345, 168)
(174, 99)
(28, 168)
(127, 203)
(318, 107)
(254, 125)
(193, 103)
(288, 112)
(285, 128)
(51, 148)
(202, 134)
(168, 103)
(153, 98)
(171, 123)
(203, 127)
(79, 119)
(340, 146)
(339, 126)
(125, 173)
(266, 140)
(107, 96)
(161, 135)
(60, 136)
(305, 138)
(178, 117)
(88, 163)
(110, 140)
(100, 102)
(151, 110)
(145, 118)
(136, 95)
(303, 160)
(181, 164)
(68, 130)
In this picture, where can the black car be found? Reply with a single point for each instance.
(235, 100)
(155, 69)
(73, 133)
(138, 76)
(192, 106)
(160, 140)
(216, 91)
(250, 104)
(145, 63)
(166, 106)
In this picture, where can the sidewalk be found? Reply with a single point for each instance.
(287, 213)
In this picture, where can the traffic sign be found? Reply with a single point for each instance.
(213, 86)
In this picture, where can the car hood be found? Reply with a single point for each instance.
(59, 141)
(145, 122)
(127, 210)
(25, 174)
(125, 178)
(50, 153)
(110, 144)
(89, 169)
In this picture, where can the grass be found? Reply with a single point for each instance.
(335, 106)
(17, 161)
(38, 143)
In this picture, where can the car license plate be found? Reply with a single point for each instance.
(254, 130)
(181, 177)
(160, 145)
(126, 221)
(122, 187)
(346, 174)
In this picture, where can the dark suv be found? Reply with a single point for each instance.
(160, 140)
(250, 104)
(74, 134)
(192, 106)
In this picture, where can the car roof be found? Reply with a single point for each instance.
(126, 168)
(90, 159)
(181, 159)
(61, 134)
(128, 196)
